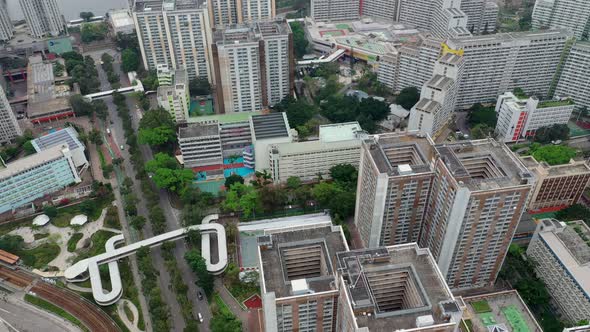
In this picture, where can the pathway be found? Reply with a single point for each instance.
(236, 309)
(132, 326)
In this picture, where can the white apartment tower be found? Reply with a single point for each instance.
(384, 9)
(225, 12)
(394, 182)
(570, 14)
(438, 97)
(573, 81)
(253, 64)
(481, 15)
(335, 10)
(173, 94)
(43, 17)
(6, 27)
(176, 33)
(448, 19)
(478, 195)
(9, 128)
(502, 62)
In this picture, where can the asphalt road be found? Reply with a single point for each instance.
(17, 315)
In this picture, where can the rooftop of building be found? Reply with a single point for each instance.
(484, 164)
(409, 150)
(509, 37)
(251, 32)
(44, 95)
(224, 118)
(503, 309)
(393, 286)
(59, 137)
(166, 5)
(574, 167)
(427, 105)
(451, 59)
(340, 131)
(570, 244)
(305, 254)
(270, 125)
(120, 18)
(195, 130)
(314, 146)
(440, 82)
(31, 161)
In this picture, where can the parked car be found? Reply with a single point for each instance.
(200, 317)
(200, 296)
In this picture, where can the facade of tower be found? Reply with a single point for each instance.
(570, 14)
(225, 12)
(335, 10)
(6, 27)
(253, 64)
(438, 97)
(43, 17)
(174, 33)
(502, 62)
(573, 81)
(479, 193)
(481, 15)
(9, 128)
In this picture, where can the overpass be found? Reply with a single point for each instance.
(89, 268)
(133, 88)
(330, 58)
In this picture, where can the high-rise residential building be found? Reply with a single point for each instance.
(562, 260)
(43, 17)
(448, 20)
(226, 12)
(176, 33)
(6, 27)
(482, 15)
(253, 64)
(394, 182)
(395, 288)
(338, 143)
(573, 80)
(438, 97)
(298, 277)
(35, 176)
(570, 14)
(9, 128)
(520, 116)
(502, 62)
(383, 9)
(556, 186)
(478, 195)
(173, 93)
(335, 10)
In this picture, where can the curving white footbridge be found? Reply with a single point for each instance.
(88, 268)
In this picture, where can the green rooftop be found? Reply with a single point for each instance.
(224, 118)
(555, 103)
(515, 319)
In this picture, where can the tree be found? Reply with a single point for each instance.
(293, 182)
(138, 222)
(552, 133)
(197, 264)
(86, 16)
(327, 70)
(100, 109)
(554, 154)
(242, 198)
(167, 174)
(129, 60)
(481, 130)
(344, 174)
(95, 137)
(234, 178)
(93, 31)
(408, 97)
(300, 42)
(157, 128)
(199, 86)
(272, 197)
(29, 148)
(574, 212)
(50, 211)
(80, 105)
(224, 322)
(478, 114)
(11, 243)
(298, 111)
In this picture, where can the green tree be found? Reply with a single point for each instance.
(327, 70)
(300, 42)
(157, 128)
(223, 322)
(552, 133)
(199, 86)
(272, 198)
(95, 137)
(554, 154)
(197, 263)
(478, 114)
(344, 174)
(234, 178)
(93, 31)
(50, 211)
(11, 243)
(167, 174)
(138, 222)
(129, 60)
(574, 212)
(80, 105)
(29, 148)
(340, 109)
(408, 97)
(100, 109)
(481, 130)
(293, 182)
(298, 111)
(86, 16)
(242, 198)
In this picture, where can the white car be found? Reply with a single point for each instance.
(200, 317)
(122, 147)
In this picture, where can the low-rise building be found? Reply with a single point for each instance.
(337, 144)
(394, 288)
(498, 312)
(298, 277)
(67, 136)
(200, 145)
(561, 253)
(556, 186)
(121, 21)
(267, 130)
(173, 93)
(520, 116)
(35, 176)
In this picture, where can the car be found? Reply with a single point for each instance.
(122, 147)
(108, 131)
(200, 296)
(200, 317)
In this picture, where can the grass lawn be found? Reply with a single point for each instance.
(98, 241)
(40, 256)
(111, 220)
(223, 308)
(481, 307)
(65, 215)
(54, 310)
(242, 291)
(40, 236)
(73, 241)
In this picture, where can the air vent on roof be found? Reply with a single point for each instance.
(265, 241)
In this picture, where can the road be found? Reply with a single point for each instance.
(16, 314)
